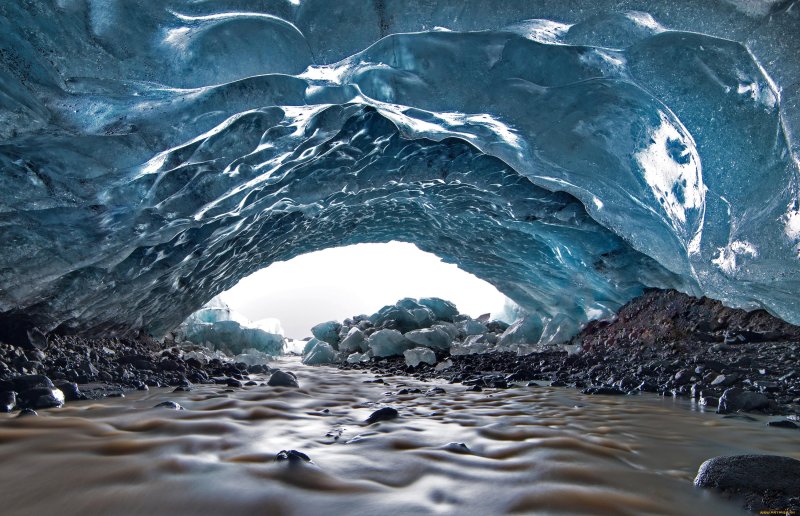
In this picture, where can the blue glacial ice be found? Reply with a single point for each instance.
(218, 328)
(318, 352)
(570, 152)
(327, 332)
(417, 356)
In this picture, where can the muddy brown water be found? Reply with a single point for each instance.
(537, 450)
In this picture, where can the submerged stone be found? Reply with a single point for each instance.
(282, 379)
(383, 414)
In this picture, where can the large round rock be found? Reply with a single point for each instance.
(760, 480)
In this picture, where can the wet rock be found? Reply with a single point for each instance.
(475, 388)
(435, 391)
(725, 380)
(31, 381)
(603, 389)
(282, 379)
(8, 400)
(735, 400)
(27, 412)
(760, 481)
(783, 423)
(232, 382)
(383, 414)
(293, 457)
(457, 448)
(70, 390)
(169, 405)
(41, 398)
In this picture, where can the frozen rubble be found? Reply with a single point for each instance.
(416, 356)
(437, 331)
(319, 352)
(230, 334)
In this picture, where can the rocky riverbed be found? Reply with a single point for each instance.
(663, 342)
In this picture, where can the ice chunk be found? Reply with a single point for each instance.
(442, 310)
(449, 328)
(387, 343)
(355, 358)
(415, 356)
(354, 341)
(327, 332)
(435, 338)
(320, 353)
(471, 327)
(521, 337)
(309, 345)
(394, 317)
(471, 345)
(232, 338)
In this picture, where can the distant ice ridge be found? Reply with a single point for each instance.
(571, 153)
(220, 329)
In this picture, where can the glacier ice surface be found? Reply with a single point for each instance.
(571, 153)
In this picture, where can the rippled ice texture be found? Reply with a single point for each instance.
(569, 152)
(540, 450)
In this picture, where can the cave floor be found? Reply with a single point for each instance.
(525, 449)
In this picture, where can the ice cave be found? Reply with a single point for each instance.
(601, 163)
(570, 153)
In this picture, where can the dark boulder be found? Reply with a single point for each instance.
(31, 381)
(282, 379)
(41, 398)
(8, 400)
(383, 414)
(70, 390)
(293, 457)
(169, 405)
(735, 400)
(604, 389)
(758, 481)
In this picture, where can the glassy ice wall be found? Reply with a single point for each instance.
(571, 153)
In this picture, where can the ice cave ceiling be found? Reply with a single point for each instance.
(571, 153)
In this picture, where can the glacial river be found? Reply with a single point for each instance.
(527, 450)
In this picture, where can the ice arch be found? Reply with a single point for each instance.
(570, 153)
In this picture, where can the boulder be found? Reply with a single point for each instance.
(736, 399)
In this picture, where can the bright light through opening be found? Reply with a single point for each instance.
(341, 282)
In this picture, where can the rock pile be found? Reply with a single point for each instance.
(421, 330)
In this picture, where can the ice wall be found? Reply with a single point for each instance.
(569, 152)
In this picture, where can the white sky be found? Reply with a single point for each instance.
(344, 281)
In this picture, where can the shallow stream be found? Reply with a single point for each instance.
(528, 450)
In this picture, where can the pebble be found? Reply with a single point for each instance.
(293, 457)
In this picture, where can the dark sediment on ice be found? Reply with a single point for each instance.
(663, 342)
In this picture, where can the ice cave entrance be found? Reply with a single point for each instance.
(340, 282)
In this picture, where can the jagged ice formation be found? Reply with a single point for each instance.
(569, 152)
